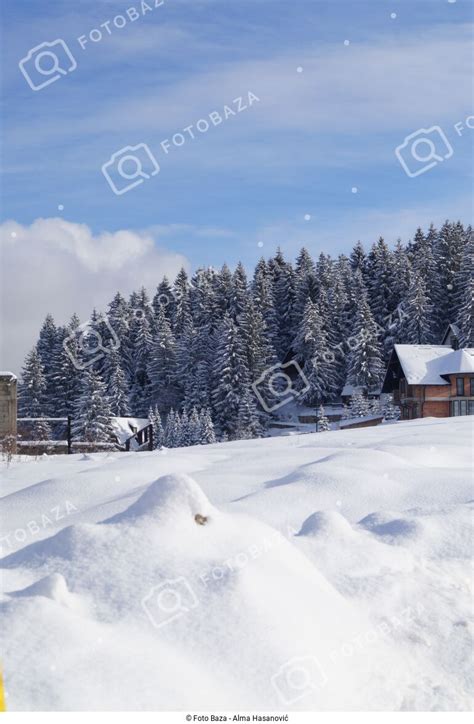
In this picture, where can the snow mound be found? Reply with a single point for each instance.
(326, 523)
(231, 596)
(168, 500)
(53, 587)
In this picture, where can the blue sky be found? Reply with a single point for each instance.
(328, 119)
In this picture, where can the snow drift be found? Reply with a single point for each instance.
(156, 598)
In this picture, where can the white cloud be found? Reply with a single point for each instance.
(62, 267)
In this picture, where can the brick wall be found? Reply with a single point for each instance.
(436, 409)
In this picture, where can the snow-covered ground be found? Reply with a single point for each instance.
(327, 571)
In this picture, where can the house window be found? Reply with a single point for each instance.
(472, 386)
(460, 407)
(460, 386)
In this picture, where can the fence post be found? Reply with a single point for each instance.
(69, 436)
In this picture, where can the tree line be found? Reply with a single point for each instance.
(205, 345)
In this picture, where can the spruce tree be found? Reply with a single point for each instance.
(207, 428)
(162, 368)
(92, 411)
(365, 365)
(117, 387)
(32, 393)
(464, 315)
(323, 422)
(47, 347)
(194, 428)
(158, 432)
(181, 290)
(230, 377)
(248, 423)
(316, 357)
(359, 406)
(415, 323)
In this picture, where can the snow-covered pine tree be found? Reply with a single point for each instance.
(315, 356)
(173, 430)
(380, 275)
(186, 436)
(32, 392)
(158, 432)
(264, 298)
(207, 428)
(248, 423)
(323, 422)
(464, 317)
(414, 326)
(238, 291)
(365, 364)
(66, 375)
(423, 260)
(230, 377)
(258, 349)
(140, 336)
(92, 410)
(375, 406)
(185, 356)
(305, 285)
(181, 290)
(340, 323)
(162, 369)
(448, 252)
(46, 346)
(390, 410)
(359, 405)
(401, 277)
(194, 428)
(284, 295)
(118, 316)
(164, 297)
(358, 259)
(117, 387)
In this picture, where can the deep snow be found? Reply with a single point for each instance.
(324, 571)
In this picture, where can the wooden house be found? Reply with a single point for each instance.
(431, 380)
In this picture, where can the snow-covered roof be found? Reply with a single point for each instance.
(349, 390)
(424, 364)
(10, 375)
(125, 427)
(459, 361)
(451, 329)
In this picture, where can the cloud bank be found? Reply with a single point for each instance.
(62, 267)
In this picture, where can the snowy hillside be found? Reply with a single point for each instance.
(320, 571)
